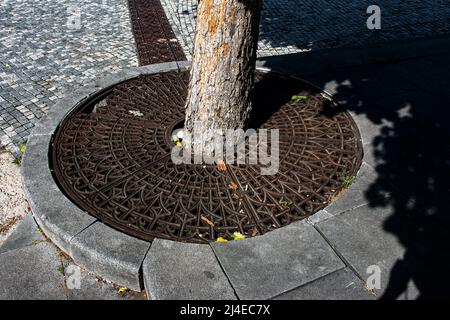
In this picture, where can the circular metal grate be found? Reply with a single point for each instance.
(111, 156)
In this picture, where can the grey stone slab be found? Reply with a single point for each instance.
(369, 154)
(367, 128)
(111, 254)
(31, 273)
(355, 195)
(281, 260)
(177, 271)
(159, 68)
(340, 285)
(94, 288)
(402, 51)
(425, 74)
(105, 81)
(359, 236)
(375, 156)
(35, 160)
(319, 216)
(25, 234)
(58, 217)
(184, 65)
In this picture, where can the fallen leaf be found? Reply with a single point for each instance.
(207, 221)
(238, 236)
(123, 290)
(299, 98)
(220, 239)
(221, 166)
(286, 205)
(178, 143)
(254, 232)
(232, 186)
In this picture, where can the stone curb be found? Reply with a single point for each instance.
(69, 227)
(110, 253)
(134, 263)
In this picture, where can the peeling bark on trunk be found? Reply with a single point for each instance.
(223, 67)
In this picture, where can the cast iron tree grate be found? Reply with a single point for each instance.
(112, 157)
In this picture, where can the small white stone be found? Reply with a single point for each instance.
(136, 113)
(180, 134)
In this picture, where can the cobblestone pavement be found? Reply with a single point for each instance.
(289, 26)
(45, 53)
(49, 47)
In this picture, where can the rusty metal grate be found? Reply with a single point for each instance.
(154, 37)
(111, 156)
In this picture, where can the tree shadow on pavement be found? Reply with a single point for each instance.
(405, 110)
(319, 24)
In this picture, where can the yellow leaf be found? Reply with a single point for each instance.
(178, 143)
(22, 149)
(220, 239)
(123, 290)
(299, 98)
(238, 236)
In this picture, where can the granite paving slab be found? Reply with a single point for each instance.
(355, 196)
(281, 260)
(360, 238)
(340, 285)
(174, 270)
(25, 234)
(32, 272)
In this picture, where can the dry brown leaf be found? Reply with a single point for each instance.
(254, 233)
(207, 221)
(221, 166)
(232, 186)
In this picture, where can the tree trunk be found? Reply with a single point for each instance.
(223, 66)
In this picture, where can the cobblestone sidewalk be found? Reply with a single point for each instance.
(290, 26)
(50, 47)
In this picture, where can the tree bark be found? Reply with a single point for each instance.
(223, 66)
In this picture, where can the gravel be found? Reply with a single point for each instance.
(13, 205)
